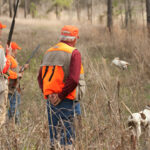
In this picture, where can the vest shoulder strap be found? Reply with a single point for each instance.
(61, 47)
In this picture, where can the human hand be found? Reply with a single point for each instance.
(23, 68)
(58, 100)
(8, 50)
(54, 99)
(20, 75)
(26, 66)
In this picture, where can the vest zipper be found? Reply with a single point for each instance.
(45, 72)
(52, 73)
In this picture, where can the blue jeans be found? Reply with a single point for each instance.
(14, 100)
(61, 119)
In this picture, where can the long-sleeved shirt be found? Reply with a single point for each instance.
(73, 77)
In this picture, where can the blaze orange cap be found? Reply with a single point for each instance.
(69, 30)
(2, 26)
(14, 46)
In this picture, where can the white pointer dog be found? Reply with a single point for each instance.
(140, 123)
(120, 63)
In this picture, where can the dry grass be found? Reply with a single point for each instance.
(103, 116)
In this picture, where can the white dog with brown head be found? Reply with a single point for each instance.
(139, 123)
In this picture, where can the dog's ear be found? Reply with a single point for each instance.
(143, 116)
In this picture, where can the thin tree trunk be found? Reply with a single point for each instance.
(10, 8)
(25, 8)
(57, 12)
(142, 14)
(1, 7)
(29, 1)
(148, 15)
(128, 12)
(78, 9)
(89, 10)
(122, 18)
(109, 15)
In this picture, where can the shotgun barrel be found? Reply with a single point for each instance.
(12, 24)
(27, 62)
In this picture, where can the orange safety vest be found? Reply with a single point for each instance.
(55, 69)
(14, 68)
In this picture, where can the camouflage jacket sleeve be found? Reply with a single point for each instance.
(2, 59)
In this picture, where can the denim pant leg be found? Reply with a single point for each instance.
(53, 122)
(67, 132)
(18, 100)
(71, 109)
(12, 102)
(66, 114)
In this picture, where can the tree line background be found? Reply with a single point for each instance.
(109, 10)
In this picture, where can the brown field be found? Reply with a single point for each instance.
(104, 118)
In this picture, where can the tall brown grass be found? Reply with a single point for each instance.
(104, 118)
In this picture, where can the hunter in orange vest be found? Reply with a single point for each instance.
(14, 75)
(61, 79)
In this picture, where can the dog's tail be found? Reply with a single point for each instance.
(127, 108)
(148, 107)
